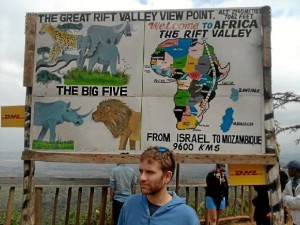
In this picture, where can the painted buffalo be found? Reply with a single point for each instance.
(48, 115)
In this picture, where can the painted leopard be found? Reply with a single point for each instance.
(62, 41)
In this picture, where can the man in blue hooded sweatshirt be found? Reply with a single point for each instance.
(155, 205)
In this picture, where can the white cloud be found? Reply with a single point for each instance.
(170, 4)
(285, 54)
(81, 6)
(10, 67)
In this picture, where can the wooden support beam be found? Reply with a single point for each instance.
(266, 159)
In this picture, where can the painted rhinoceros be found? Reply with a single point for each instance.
(48, 115)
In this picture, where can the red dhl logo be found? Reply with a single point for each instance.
(12, 116)
(245, 173)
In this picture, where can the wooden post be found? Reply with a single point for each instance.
(68, 206)
(275, 195)
(250, 197)
(55, 206)
(196, 199)
(103, 206)
(29, 167)
(38, 206)
(90, 210)
(78, 205)
(187, 195)
(28, 186)
(235, 201)
(30, 30)
(9, 206)
(271, 142)
(242, 200)
(28, 194)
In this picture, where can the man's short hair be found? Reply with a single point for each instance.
(162, 155)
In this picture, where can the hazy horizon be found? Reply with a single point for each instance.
(11, 165)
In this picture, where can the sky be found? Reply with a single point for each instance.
(285, 49)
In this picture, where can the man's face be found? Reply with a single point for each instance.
(291, 172)
(221, 169)
(152, 178)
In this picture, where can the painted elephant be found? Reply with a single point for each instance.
(107, 55)
(83, 45)
(107, 35)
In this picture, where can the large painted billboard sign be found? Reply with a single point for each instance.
(190, 80)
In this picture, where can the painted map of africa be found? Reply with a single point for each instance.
(197, 71)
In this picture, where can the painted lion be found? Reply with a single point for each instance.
(122, 121)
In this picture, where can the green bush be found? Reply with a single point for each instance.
(15, 217)
(82, 219)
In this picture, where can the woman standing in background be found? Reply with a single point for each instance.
(216, 196)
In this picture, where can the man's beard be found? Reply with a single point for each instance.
(153, 188)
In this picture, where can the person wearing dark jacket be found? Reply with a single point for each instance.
(291, 193)
(262, 206)
(216, 196)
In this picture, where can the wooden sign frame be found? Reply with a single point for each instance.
(271, 147)
(270, 158)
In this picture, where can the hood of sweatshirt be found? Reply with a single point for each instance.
(176, 200)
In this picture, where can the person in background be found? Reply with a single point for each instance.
(122, 184)
(262, 206)
(291, 193)
(216, 196)
(284, 178)
(155, 204)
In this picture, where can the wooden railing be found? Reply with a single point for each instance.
(55, 201)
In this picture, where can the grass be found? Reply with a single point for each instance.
(83, 77)
(46, 145)
(15, 217)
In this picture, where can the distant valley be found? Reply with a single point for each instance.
(11, 165)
